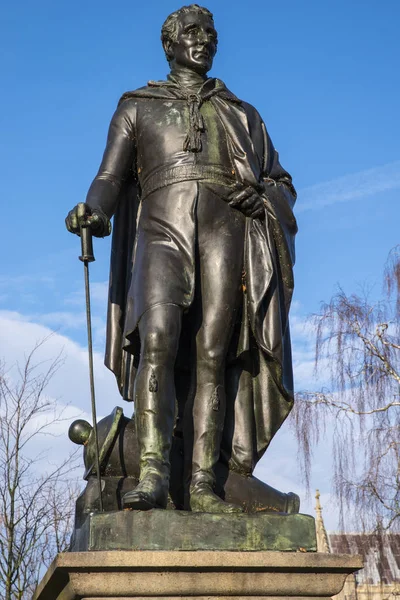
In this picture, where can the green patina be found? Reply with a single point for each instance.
(114, 421)
(215, 138)
(179, 530)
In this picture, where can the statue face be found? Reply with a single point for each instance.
(196, 43)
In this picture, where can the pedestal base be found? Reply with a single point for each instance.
(189, 575)
(180, 530)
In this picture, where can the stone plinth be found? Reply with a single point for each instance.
(179, 530)
(217, 575)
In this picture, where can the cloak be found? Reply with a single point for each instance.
(259, 376)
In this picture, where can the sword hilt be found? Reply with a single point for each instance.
(83, 213)
(86, 245)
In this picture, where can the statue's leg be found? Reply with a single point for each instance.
(159, 330)
(219, 294)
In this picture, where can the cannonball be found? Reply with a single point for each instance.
(79, 431)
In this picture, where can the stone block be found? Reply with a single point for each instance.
(180, 530)
(216, 575)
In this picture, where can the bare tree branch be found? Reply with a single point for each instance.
(36, 508)
(358, 341)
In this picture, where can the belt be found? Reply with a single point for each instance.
(169, 175)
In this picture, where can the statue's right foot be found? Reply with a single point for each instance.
(203, 499)
(151, 492)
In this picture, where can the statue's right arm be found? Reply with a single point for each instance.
(118, 158)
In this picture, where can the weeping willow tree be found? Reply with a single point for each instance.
(358, 350)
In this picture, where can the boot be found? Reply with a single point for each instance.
(154, 416)
(151, 492)
(208, 423)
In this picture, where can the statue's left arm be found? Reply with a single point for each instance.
(279, 194)
(273, 172)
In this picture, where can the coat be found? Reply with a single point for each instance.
(259, 376)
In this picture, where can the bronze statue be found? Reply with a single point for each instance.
(201, 270)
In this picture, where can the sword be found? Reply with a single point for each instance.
(87, 257)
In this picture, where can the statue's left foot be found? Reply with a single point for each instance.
(203, 499)
(151, 492)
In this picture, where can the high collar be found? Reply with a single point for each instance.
(186, 78)
(168, 90)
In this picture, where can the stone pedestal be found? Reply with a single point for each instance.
(172, 554)
(217, 575)
(180, 530)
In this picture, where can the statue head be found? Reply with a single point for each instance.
(190, 39)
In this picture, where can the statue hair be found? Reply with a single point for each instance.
(169, 30)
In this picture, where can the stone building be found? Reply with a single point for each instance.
(380, 577)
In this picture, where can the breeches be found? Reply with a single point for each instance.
(189, 251)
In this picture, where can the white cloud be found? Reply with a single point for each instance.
(350, 187)
(66, 322)
(68, 388)
(70, 384)
(98, 295)
(70, 320)
(303, 353)
(24, 287)
(280, 468)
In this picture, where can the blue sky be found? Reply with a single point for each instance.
(324, 76)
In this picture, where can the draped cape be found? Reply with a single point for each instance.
(259, 377)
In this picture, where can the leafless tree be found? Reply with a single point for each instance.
(358, 347)
(36, 497)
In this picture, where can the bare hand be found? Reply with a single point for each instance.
(82, 215)
(248, 201)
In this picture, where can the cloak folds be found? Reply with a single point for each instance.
(259, 377)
